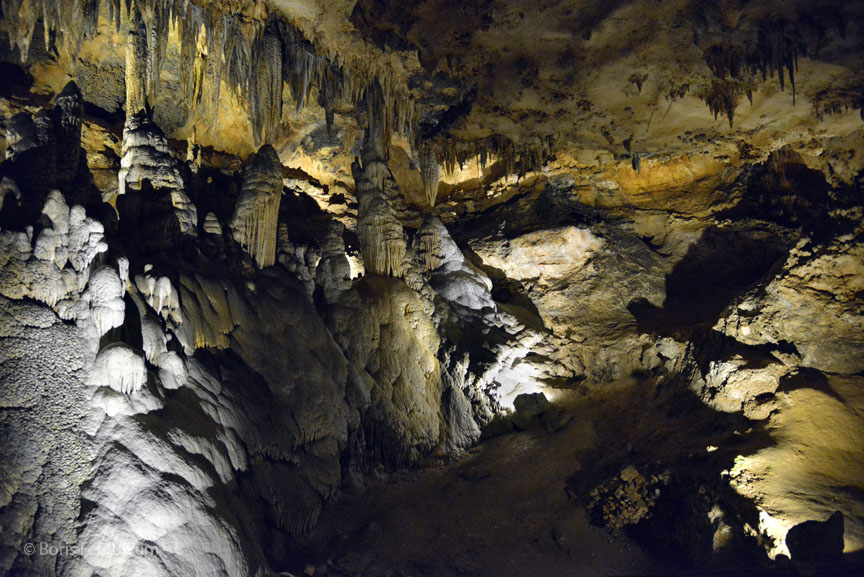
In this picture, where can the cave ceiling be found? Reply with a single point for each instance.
(632, 97)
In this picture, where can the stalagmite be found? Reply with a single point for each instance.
(146, 156)
(427, 242)
(382, 240)
(334, 271)
(430, 173)
(301, 259)
(47, 146)
(255, 217)
(211, 225)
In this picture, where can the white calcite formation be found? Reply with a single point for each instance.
(106, 291)
(161, 296)
(120, 368)
(254, 222)
(56, 269)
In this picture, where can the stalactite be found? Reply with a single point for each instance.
(332, 90)
(379, 119)
(254, 224)
(189, 32)
(154, 16)
(136, 68)
(215, 26)
(50, 17)
(302, 67)
(774, 50)
(430, 172)
(75, 20)
(722, 97)
(114, 13)
(453, 154)
(238, 56)
(265, 95)
(22, 17)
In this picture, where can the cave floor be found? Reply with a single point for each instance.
(503, 509)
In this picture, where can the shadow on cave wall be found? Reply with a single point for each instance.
(718, 267)
(156, 225)
(662, 429)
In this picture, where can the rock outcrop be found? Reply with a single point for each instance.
(813, 305)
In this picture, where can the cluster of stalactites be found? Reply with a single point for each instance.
(65, 24)
(518, 159)
(255, 220)
(775, 49)
(254, 56)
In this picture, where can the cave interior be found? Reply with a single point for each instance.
(431, 288)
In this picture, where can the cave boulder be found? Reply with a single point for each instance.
(817, 541)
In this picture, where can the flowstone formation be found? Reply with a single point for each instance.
(430, 288)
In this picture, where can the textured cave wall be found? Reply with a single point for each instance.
(200, 413)
(46, 458)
